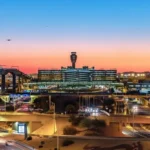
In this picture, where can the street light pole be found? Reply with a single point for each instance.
(78, 92)
(5, 106)
(134, 109)
(57, 132)
(77, 79)
(56, 126)
(14, 104)
(133, 119)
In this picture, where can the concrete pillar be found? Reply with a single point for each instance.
(25, 131)
(29, 127)
(49, 99)
(93, 102)
(14, 83)
(80, 98)
(107, 122)
(79, 101)
(115, 108)
(125, 110)
(3, 84)
(82, 101)
(88, 101)
(19, 84)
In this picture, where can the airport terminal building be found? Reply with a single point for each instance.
(72, 74)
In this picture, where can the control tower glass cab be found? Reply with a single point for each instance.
(73, 58)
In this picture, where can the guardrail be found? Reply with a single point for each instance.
(94, 137)
(24, 145)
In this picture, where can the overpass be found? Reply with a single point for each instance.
(124, 119)
(15, 72)
(34, 120)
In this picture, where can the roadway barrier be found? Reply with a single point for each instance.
(95, 137)
(24, 145)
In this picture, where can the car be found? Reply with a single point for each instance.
(9, 143)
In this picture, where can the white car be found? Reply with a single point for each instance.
(9, 143)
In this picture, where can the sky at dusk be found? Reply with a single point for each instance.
(105, 33)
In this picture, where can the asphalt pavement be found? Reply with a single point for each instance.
(13, 145)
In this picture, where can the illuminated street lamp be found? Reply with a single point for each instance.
(134, 110)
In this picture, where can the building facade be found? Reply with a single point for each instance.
(134, 77)
(70, 74)
(104, 75)
(50, 75)
(73, 74)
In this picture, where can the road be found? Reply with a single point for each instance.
(22, 117)
(129, 119)
(15, 116)
(136, 131)
(13, 145)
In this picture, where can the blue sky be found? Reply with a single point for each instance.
(73, 24)
(94, 17)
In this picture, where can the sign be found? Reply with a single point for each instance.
(21, 128)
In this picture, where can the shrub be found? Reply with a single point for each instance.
(71, 118)
(70, 109)
(29, 138)
(42, 142)
(67, 142)
(98, 123)
(75, 121)
(40, 146)
(68, 130)
(86, 123)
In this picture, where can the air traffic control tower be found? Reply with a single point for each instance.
(73, 58)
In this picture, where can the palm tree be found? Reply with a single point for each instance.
(70, 108)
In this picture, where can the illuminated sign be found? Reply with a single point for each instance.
(21, 128)
(19, 97)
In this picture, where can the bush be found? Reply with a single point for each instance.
(70, 109)
(40, 146)
(67, 142)
(71, 118)
(42, 142)
(98, 123)
(29, 138)
(68, 130)
(75, 121)
(86, 123)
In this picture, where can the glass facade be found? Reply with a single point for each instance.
(50, 75)
(104, 75)
(77, 75)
